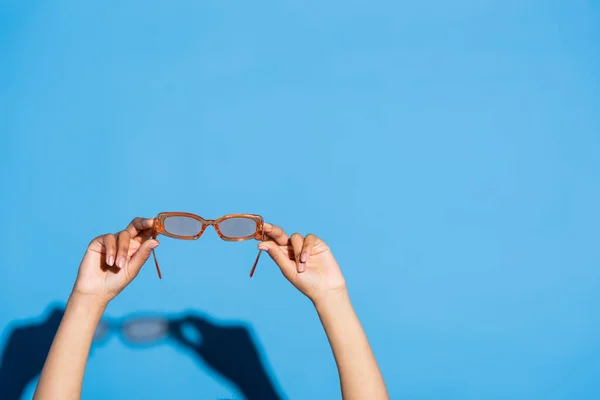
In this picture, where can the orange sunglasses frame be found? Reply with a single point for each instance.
(159, 229)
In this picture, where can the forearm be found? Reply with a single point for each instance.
(62, 376)
(360, 376)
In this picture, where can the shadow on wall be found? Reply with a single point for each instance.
(229, 350)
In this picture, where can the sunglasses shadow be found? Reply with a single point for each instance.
(227, 350)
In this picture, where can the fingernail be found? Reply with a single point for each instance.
(304, 257)
(263, 248)
(154, 244)
(121, 262)
(111, 260)
(301, 267)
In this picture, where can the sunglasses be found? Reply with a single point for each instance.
(187, 226)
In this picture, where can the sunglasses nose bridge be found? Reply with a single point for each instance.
(211, 222)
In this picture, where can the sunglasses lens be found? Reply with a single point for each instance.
(237, 227)
(143, 331)
(182, 226)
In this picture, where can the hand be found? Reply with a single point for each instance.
(112, 261)
(306, 262)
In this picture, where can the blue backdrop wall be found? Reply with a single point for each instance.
(448, 152)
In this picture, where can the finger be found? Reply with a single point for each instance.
(297, 242)
(309, 242)
(281, 258)
(110, 246)
(123, 248)
(141, 256)
(276, 233)
(97, 244)
(104, 244)
(143, 236)
(138, 225)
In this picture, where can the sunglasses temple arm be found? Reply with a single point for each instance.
(255, 263)
(154, 235)
(157, 267)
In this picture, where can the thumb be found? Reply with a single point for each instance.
(287, 266)
(141, 256)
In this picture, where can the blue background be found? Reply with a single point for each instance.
(448, 152)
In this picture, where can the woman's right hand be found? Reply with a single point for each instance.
(307, 262)
(112, 261)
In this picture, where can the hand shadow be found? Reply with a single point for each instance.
(230, 351)
(24, 354)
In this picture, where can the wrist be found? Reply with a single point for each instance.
(333, 300)
(87, 303)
